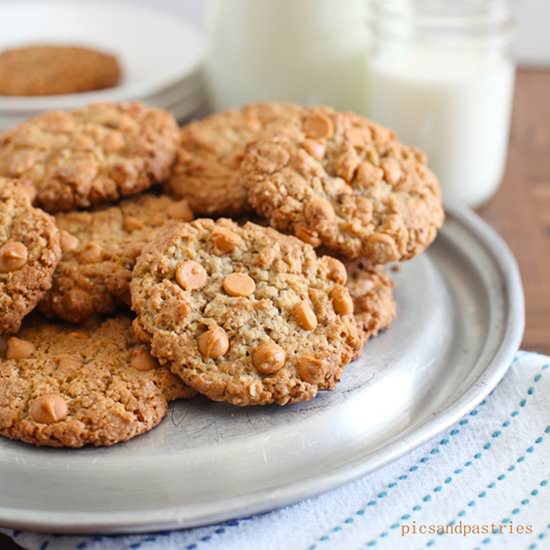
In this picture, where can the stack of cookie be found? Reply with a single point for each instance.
(257, 312)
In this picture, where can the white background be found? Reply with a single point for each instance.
(533, 17)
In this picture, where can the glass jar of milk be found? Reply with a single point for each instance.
(440, 74)
(306, 51)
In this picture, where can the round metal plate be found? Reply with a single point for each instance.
(460, 320)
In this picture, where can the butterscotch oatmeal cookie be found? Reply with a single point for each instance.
(96, 154)
(206, 171)
(70, 386)
(29, 253)
(342, 181)
(54, 69)
(371, 289)
(244, 314)
(100, 248)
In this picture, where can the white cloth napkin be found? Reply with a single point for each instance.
(490, 470)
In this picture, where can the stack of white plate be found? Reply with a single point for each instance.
(161, 55)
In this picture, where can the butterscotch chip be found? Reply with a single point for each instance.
(341, 299)
(29, 253)
(18, 348)
(132, 223)
(142, 360)
(315, 148)
(336, 270)
(180, 211)
(305, 316)
(225, 240)
(371, 289)
(317, 125)
(243, 351)
(381, 244)
(66, 361)
(341, 181)
(49, 409)
(239, 284)
(69, 243)
(367, 174)
(55, 69)
(213, 343)
(311, 369)
(91, 253)
(97, 154)
(13, 256)
(101, 249)
(92, 389)
(268, 358)
(206, 172)
(319, 210)
(356, 137)
(190, 275)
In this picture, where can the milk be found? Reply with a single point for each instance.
(307, 51)
(455, 104)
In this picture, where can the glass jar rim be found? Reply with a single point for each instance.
(474, 16)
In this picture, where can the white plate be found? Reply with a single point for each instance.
(188, 88)
(156, 48)
(186, 108)
(182, 104)
(191, 88)
(460, 320)
(181, 109)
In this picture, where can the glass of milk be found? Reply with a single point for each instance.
(440, 73)
(306, 51)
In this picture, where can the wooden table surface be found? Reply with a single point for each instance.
(520, 211)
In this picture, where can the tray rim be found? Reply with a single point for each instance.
(254, 503)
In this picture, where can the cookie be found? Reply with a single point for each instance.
(90, 156)
(244, 314)
(52, 70)
(100, 248)
(70, 386)
(371, 289)
(339, 180)
(206, 172)
(29, 253)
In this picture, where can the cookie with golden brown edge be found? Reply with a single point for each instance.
(244, 314)
(206, 172)
(54, 69)
(100, 248)
(70, 386)
(93, 155)
(371, 289)
(29, 253)
(342, 181)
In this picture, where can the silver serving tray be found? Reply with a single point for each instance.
(460, 320)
